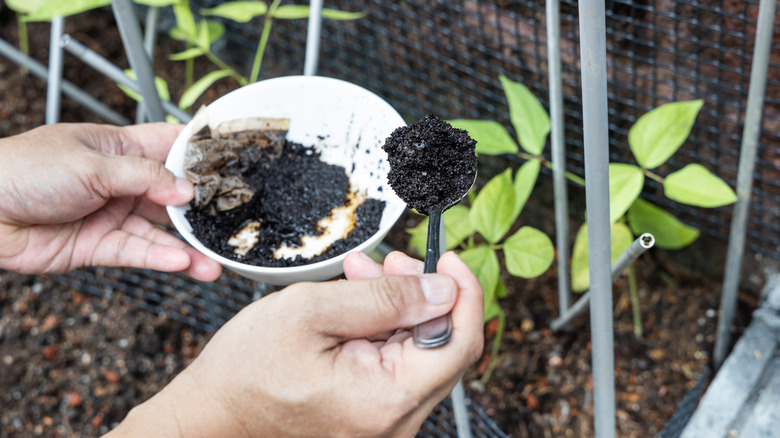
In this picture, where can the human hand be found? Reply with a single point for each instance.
(327, 359)
(85, 195)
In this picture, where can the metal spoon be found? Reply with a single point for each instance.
(438, 331)
(432, 167)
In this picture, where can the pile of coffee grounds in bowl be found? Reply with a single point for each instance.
(432, 163)
(293, 191)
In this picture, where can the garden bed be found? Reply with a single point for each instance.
(75, 363)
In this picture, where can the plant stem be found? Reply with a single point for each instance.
(189, 72)
(635, 310)
(653, 176)
(263, 41)
(24, 40)
(494, 350)
(223, 66)
(571, 176)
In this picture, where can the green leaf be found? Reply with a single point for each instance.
(203, 35)
(491, 212)
(491, 137)
(155, 3)
(419, 237)
(25, 6)
(501, 291)
(457, 227)
(658, 134)
(493, 310)
(528, 116)
(159, 83)
(58, 8)
(525, 179)
(241, 11)
(291, 12)
(178, 34)
(695, 185)
(215, 30)
(625, 185)
(483, 262)
(187, 54)
(185, 21)
(668, 231)
(620, 239)
(335, 14)
(528, 252)
(192, 94)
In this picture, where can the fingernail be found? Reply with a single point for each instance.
(437, 288)
(363, 256)
(184, 187)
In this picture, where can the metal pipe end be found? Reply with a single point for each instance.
(64, 40)
(647, 240)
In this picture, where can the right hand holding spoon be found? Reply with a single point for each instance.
(432, 166)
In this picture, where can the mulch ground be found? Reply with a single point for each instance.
(73, 363)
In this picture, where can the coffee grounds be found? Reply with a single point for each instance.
(292, 193)
(432, 164)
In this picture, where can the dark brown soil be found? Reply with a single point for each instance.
(292, 194)
(74, 363)
(432, 164)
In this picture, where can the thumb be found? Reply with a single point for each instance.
(135, 176)
(360, 308)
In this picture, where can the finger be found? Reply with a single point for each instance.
(381, 337)
(120, 248)
(140, 244)
(132, 162)
(468, 313)
(150, 140)
(398, 263)
(439, 367)
(135, 176)
(360, 308)
(153, 212)
(357, 265)
(201, 267)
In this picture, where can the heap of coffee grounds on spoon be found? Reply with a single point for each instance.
(432, 163)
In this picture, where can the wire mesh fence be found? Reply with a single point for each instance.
(434, 56)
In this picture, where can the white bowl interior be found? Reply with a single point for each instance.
(347, 124)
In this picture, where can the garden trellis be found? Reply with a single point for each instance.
(636, 55)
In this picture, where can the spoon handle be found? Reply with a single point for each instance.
(436, 332)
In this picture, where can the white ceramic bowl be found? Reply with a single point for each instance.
(345, 122)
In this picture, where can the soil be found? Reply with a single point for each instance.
(432, 164)
(74, 363)
(292, 193)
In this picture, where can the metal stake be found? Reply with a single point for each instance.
(54, 79)
(313, 38)
(593, 56)
(558, 145)
(102, 65)
(640, 245)
(139, 62)
(150, 39)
